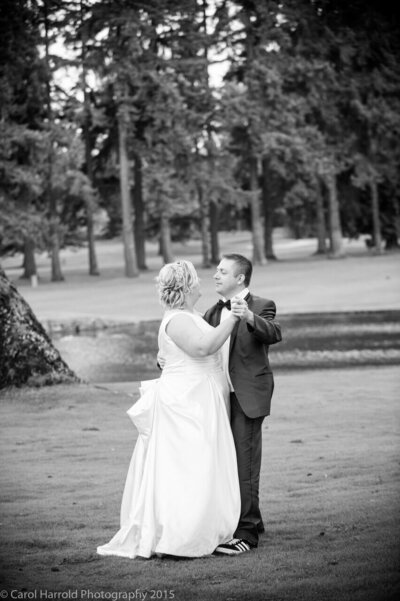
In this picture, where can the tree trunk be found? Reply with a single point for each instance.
(256, 227)
(321, 227)
(335, 230)
(165, 238)
(93, 267)
(215, 257)
(268, 205)
(29, 259)
(376, 221)
(257, 236)
(131, 269)
(27, 355)
(56, 273)
(392, 238)
(139, 222)
(204, 201)
(205, 227)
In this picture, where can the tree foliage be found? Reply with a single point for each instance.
(303, 130)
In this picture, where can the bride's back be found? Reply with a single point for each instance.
(177, 360)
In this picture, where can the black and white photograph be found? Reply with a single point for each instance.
(200, 300)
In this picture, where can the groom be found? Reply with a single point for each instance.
(245, 357)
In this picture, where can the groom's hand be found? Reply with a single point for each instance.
(240, 308)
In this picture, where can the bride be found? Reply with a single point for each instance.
(181, 494)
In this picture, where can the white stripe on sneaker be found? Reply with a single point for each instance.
(234, 547)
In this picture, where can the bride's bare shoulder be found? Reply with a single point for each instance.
(179, 320)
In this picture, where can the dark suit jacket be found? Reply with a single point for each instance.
(249, 367)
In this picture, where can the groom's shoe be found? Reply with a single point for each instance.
(234, 547)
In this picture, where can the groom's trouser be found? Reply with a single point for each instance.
(247, 436)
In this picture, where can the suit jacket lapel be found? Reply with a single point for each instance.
(233, 335)
(215, 315)
(240, 324)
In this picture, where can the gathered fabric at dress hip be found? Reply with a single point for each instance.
(187, 366)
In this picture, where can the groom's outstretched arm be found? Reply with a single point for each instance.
(263, 324)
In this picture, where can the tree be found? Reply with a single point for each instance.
(328, 172)
(81, 25)
(56, 272)
(40, 160)
(131, 269)
(373, 107)
(321, 222)
(248, 117)
(87, 137)
(139, 211)
(27, 355)
(307, 116)
(272, 189)
(21, 113)
(359, 100)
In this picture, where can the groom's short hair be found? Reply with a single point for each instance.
(243, 266)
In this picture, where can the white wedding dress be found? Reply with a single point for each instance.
(181, 494)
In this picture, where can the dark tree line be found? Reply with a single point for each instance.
(303, 130)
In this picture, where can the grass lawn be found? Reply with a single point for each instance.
(299, 282)
(329, 496)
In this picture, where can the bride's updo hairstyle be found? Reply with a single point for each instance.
(175, 281)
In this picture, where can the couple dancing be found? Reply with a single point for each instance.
(192, 485)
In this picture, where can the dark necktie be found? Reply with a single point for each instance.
(221, 304)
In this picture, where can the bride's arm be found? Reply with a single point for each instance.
(196, 343)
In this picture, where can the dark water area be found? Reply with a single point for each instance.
(310, 341)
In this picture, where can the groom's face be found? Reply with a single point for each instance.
(228, 281)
